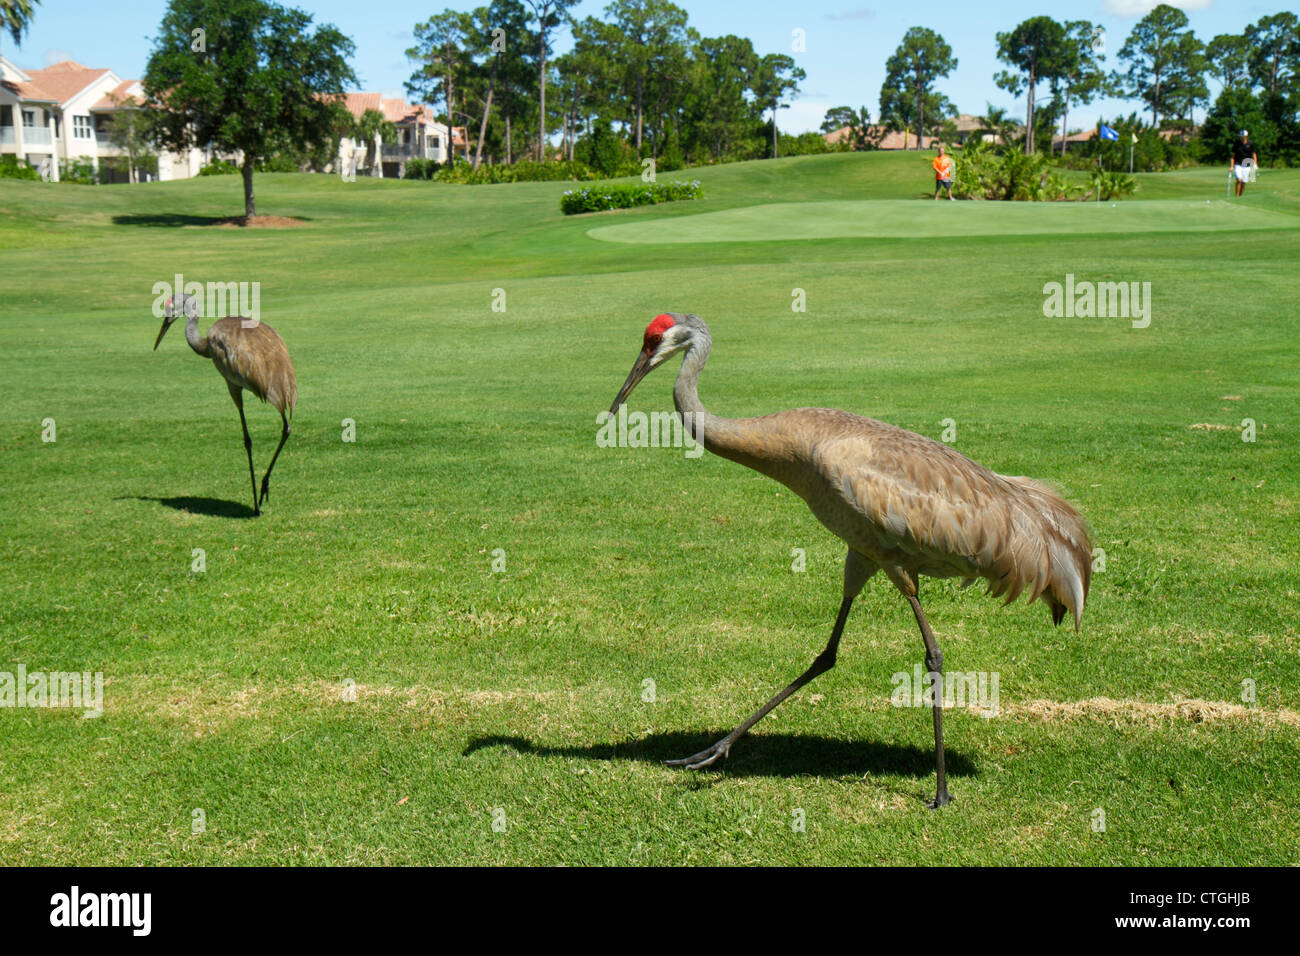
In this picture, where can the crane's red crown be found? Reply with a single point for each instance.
(654, 332)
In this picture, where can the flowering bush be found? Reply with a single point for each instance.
(603, 196)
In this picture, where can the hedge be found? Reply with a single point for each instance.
(604, 196)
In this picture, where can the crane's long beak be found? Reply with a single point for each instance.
(638, 372)
(167, 324)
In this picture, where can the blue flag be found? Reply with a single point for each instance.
(1108, 133)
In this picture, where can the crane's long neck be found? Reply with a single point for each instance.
(198, 343)
(738, 439)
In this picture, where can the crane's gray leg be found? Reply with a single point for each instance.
(266, 479)
(856, 572)
(934, 665)
(237, 394)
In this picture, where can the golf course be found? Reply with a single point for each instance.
(462, 632)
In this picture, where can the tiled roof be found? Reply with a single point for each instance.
(58, 83)
(120, 93)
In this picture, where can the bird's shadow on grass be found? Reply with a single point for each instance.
(764, 755)
(212, 507)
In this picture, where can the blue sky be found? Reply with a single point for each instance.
(846, 41)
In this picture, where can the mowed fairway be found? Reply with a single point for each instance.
(521, 697)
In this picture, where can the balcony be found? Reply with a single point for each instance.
(7, 137)
(37, 136)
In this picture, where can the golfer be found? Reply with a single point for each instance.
(1243, 157)
(943, 173)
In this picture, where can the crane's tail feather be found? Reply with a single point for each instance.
(1050, 553)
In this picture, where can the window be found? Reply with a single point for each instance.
(81, 127)
(29, 118)
(433, 141)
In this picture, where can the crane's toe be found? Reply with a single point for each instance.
(704, 758)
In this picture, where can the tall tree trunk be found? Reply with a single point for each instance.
(541, 107)
(250, 207)
(1029, 117)
(774, 150)
(451, 119)
(1065, 115)
(487, 109)
(919, 115)
(640, 96)
(510, 156)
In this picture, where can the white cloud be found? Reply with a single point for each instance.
(1140, 8)
(57, 56)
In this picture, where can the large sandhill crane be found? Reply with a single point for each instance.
(904, 504)
(249, 355)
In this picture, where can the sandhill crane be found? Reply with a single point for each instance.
(904, 504)
(249, 355)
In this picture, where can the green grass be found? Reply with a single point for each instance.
(475, 430)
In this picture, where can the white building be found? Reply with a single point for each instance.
(62, 113)
(419, 136)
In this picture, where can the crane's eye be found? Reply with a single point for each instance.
(652, 342)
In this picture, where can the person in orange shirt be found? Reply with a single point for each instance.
(942, 173)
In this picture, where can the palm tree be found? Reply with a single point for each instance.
(15, 17)
(370, 124)
(998, 122)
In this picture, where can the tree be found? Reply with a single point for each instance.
(922, 58)
(650, 33)
(128, 130)
(857, 122)
(1274, 49)
(368, 127)
(261, 81)
(441, 52)
(720, 102)
(1153, 52)
(549, 15)
(1038, 49)
(1081, 79)
(776, 78)
(1226, 58)
(15, 17)
(1187, 88)
(998, 122)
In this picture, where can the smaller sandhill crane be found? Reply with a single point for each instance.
(903, 503)
(249, 355)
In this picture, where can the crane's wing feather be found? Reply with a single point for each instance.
(254, 357)
(929, 509)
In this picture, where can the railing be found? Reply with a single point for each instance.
(7, 137)
(37, 136)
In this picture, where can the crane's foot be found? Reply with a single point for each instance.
(942, 798)
(704, 758)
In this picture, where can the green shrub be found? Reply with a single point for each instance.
(11, 167)
(1113, 184)
(625, 195)
(420, 169)
(525, 171)
(984, 173)
(77, 170)
(219, 167)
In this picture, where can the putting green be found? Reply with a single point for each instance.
(911, 218)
